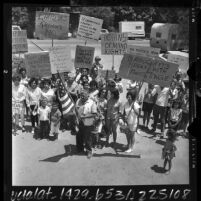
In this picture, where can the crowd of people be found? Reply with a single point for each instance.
(89, 106)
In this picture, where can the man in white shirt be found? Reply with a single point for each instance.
(160, 107)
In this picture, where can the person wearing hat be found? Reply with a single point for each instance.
(44, 119)
(87, 111)
(97, 63)
(55, 117)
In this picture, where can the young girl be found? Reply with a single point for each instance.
(18, 103)
(169, 149)
(44, 118)
(55, 120)
(175, 115)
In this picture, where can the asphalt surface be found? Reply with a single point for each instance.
(56, 162)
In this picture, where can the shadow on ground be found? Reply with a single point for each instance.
(69, 151)
(158, 169)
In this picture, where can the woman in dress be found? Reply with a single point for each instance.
(32, 99)
(130, 112)
(112, 116)
(47, 92)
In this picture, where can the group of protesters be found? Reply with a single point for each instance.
(89, 106)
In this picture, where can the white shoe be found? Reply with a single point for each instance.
(128, 151)
(32, 131)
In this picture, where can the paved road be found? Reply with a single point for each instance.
(55, 162)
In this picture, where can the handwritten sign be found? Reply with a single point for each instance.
(143, 51)
(60, 59)
(52, 25)
(18, 62)
(19, 41)
(111, 73)
(146, 69)
(38, 64)
(114, 43)
(84, 56)
(89, 28)
(182, 61)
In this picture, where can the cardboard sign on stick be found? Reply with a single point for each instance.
(143, 51)
(89, 28)
(114, 43)
(182, 61)
(60, 59)
(84, 56)
(19, 41)
(147, 69)
(111, 73)
(38, 64)
(52, 25)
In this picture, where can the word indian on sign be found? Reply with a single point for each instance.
(143, 51)
(146, 69)
(60, 59)
(38, 64)
(114, 43)
(84, 56)
(89, 28)
(52, 25)
(19, 41)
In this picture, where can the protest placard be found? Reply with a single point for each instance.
(182, 61)
(84, 56)
(38, 64)
(60, 59)
(147, 69)
(51, 25)
(143, 51)
(89, 28)
(19, 41)
(18, 62)
(108, 73)
(114, 43)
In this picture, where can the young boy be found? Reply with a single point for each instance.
(55, 117)
(169, 149)
(44, 119)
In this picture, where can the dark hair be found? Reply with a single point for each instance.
(115, 93)
(171, 135)
(176, 102)
(16, 77)
(92, 83)
(133, 94)
(100, 91)
(22, 69)
(33, 79)
(48, 81)
(82, 76)
(85, 69)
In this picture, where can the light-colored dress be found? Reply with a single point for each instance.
(130, 115)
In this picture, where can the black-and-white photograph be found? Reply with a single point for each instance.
(115, 115)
